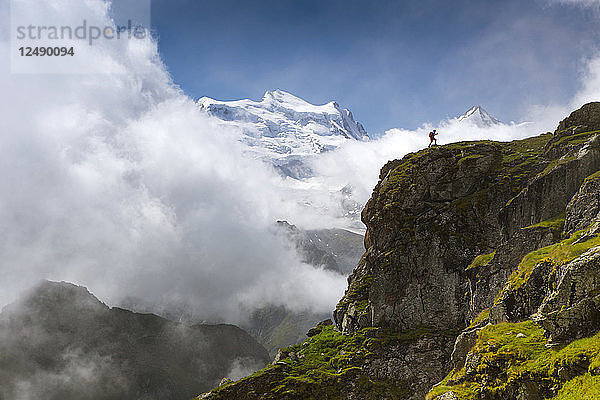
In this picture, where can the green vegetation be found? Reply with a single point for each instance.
(357, 291)
(509, 341)
(510, 355)
(554, 223)
(593, 176)
(572, 139)
(520, 158)
(467, 145)
(557, 254)
(326, 361)
(520, 150)
(483, 259)
(329, 352)
(512, 165)
(362, 305)
(555, 163)
(482, 316)
(580, 388)
(401, 175)
(509, 166)
(469, 157)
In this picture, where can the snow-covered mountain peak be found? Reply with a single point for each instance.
(479, 117)
(284, 129)
(284, 100)
(289, 133)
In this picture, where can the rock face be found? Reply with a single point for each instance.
(429, 215)
(60, 342)
(548, 193)
(584, 208)
(573, 154)
(475, 255)
(572, 310)
(586, 119)
(543, 324)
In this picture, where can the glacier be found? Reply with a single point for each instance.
(286, 131)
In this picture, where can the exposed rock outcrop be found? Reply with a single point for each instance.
(487, 278)
(585, 119)
(572, 310)
(549, 193)
(429, 216)
(541, 340)
(464, 243)
(584, 208)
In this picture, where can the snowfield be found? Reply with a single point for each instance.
(286, 131)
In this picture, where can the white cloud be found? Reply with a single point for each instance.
(81, 373)
(590, 90)
(242, 367)
(116, 182)
(584, 3)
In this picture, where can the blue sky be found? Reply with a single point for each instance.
(393, 63)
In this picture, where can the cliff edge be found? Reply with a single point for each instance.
(479, 271)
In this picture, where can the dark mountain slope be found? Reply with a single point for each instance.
(60, 342)
(337, 250)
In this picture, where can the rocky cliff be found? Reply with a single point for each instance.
(479, 280)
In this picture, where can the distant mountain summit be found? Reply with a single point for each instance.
(284, 130)
(479, 117)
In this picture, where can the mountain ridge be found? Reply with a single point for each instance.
(59, 341)
(464, 242)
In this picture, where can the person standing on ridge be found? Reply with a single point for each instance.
(432, 139)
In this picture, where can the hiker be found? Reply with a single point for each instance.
(432, 139)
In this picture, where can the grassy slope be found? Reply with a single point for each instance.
(513, 354)
(559, 253)
(326, 362)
